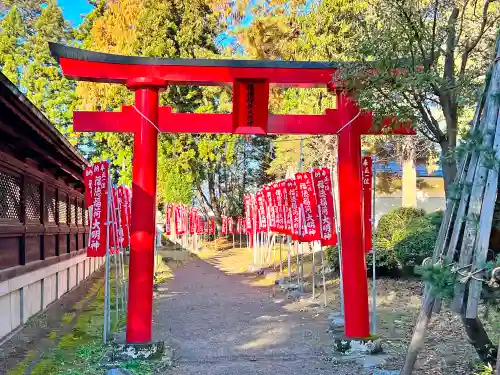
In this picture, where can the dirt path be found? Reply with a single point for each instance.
(219, 324)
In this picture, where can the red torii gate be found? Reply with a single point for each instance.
(250, 80)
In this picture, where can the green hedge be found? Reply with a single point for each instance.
(404, 238)
(418, 241)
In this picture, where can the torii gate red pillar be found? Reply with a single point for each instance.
(250, 80)
(354, 280)
(141, 266)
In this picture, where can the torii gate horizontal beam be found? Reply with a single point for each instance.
(170, 122)
(91, 66)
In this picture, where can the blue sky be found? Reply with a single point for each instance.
(74, 9)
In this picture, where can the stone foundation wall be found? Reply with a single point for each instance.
(23, 296)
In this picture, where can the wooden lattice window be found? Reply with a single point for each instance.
(63, 208)
(86, 216)
(33, 201)
(73, 211)
(79, 213)
(50, 203)
(10, 197)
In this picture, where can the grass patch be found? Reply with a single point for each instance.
(21, 368)
(52, 335)
(68, 317)
(80, 350)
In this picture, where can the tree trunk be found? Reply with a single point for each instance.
(448, 165)
(213, 199)
(478, 338)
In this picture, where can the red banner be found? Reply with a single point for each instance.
(223, 225)
(114, 239)
(200, 228)
(168, 218)
(248, 213)
(270, 204)
(323, 189)
(98, 232)
(129, 207)
(309, 223)
(179, 221)
(286, 210)
(193, 221)
(367, 178)
(206, 227)
(239, 225)
(123, 206)
(88, 179)
(279, 209)
(260, 203)
(294, 208)
(212, 226)
(230, 225)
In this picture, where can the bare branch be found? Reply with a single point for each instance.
(474, 42)
(449, 58)
(433, 38)
(428, 119)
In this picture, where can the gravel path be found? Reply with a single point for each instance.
(220, 325)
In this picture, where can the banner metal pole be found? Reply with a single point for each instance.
(374, 280)
(322, 255)
(339, 245)
(106, 273)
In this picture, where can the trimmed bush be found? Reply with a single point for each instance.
(332, 257)
(419, 240)
(404, 238)
(392, 228)
(396, 219)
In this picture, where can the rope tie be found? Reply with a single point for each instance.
(146, 118)
(465, 277)
(471, 275)
(349, 122)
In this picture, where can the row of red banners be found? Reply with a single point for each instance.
(108, 205)
(189, 220)
(301, 208)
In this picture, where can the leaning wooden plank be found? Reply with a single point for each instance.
(483, 237)
(450, 218)
(479, 184)
(462, 207)
(464, 175)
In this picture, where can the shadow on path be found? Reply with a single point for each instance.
(218, 324)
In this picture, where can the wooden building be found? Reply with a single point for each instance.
(43, 219)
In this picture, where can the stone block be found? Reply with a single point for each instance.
(62, 283)
(81, 271)
(32, 300)
(15, 309)
(72, 277)
(5, 311)
(49, 290)
(87, 268)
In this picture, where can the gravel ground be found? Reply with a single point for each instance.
(218, 324)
